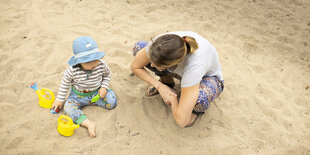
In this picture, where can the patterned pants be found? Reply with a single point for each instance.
(210, 87)
(75, 102)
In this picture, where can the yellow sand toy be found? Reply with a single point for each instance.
(46, 97)
(66, 127)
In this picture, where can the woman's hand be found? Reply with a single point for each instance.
(166, 93)
(102, 92)
(57, 105)
(172, 99)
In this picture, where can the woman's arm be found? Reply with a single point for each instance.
(140, 61)
(182, 110)
(137, 67)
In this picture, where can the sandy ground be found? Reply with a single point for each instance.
(264, 49)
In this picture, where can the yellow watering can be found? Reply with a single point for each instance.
(46, 97)
(66, 126)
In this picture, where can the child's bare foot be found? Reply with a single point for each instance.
(91, 126)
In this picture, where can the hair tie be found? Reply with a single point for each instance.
(185, 40)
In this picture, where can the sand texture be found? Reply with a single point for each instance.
(263, 46)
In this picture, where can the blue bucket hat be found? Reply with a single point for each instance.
(85, 49)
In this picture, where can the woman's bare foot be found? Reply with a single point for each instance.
(91, 126)
(192, 120)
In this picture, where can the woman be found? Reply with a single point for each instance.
(187, 56)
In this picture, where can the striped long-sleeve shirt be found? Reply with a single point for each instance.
(83, 80)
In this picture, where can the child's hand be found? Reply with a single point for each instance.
(102, 92)
(57, 104)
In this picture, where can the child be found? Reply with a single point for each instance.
(87, 76)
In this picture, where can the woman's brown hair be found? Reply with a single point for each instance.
(170, 49)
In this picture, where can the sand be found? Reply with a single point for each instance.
(263, 46)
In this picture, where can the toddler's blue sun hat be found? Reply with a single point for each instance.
(85, 49)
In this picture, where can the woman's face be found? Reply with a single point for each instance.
(90, 65)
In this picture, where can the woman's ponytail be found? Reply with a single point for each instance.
(191, 44)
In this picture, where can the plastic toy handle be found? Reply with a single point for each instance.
(46, 90)
(65, 117)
